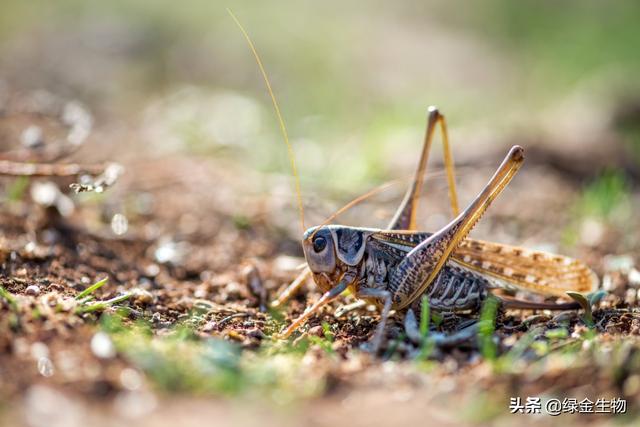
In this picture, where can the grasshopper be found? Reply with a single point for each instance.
(394, 268)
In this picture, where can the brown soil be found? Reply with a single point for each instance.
(186, 247)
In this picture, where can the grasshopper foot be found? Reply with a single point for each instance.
(375, 343)
(372, 347)
(411, 327)
(463, 335)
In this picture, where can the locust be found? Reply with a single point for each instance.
(398, 268)
(395, 267)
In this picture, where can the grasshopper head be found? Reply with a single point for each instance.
(331, 250)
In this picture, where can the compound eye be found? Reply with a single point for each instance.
(319, 243)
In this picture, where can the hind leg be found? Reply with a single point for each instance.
(405, 216)
(419, 268)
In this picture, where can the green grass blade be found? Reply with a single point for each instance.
(587, 317)
(18, 188)
(425, 316)
(91, 289)
(102, 304)
(487, 326)
(8, 296)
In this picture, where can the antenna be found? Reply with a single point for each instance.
(283, 128)
(354, 202)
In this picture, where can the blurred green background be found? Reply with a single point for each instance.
(353, 79)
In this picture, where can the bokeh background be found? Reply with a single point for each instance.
(354, 80)
(177, 98)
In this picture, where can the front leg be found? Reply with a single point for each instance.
(385, 297)
(292, 289)
(347, 279)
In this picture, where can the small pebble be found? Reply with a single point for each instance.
(142, 296)
(32, 290)
(634, 278)
(45, 367)
(32, 137)
(209, 326)
(255, 333)
(201, 292)
(39, 350)
(30, 247)
(152, 270)
(119, 224)
(203, 305)
(102, 346)
(235, 335)
(130, 379)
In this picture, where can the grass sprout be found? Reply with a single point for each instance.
(14, 316)
(8, 296)
(587, 316)
(486, 328)
(91, 289)
(18, 188)
(428, 344)
(102, 305)
(181, 360)
(425, 316)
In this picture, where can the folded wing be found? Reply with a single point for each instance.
(513, 267)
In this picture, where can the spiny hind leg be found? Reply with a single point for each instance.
(419, 268)
(385, 296)
(405, 216)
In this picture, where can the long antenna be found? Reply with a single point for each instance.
(352, 203)
(283, 128)
(364, 197)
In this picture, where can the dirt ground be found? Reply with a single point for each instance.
(169, 235)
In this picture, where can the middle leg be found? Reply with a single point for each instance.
(385, 296)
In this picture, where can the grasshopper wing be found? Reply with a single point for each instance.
(513, 267)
